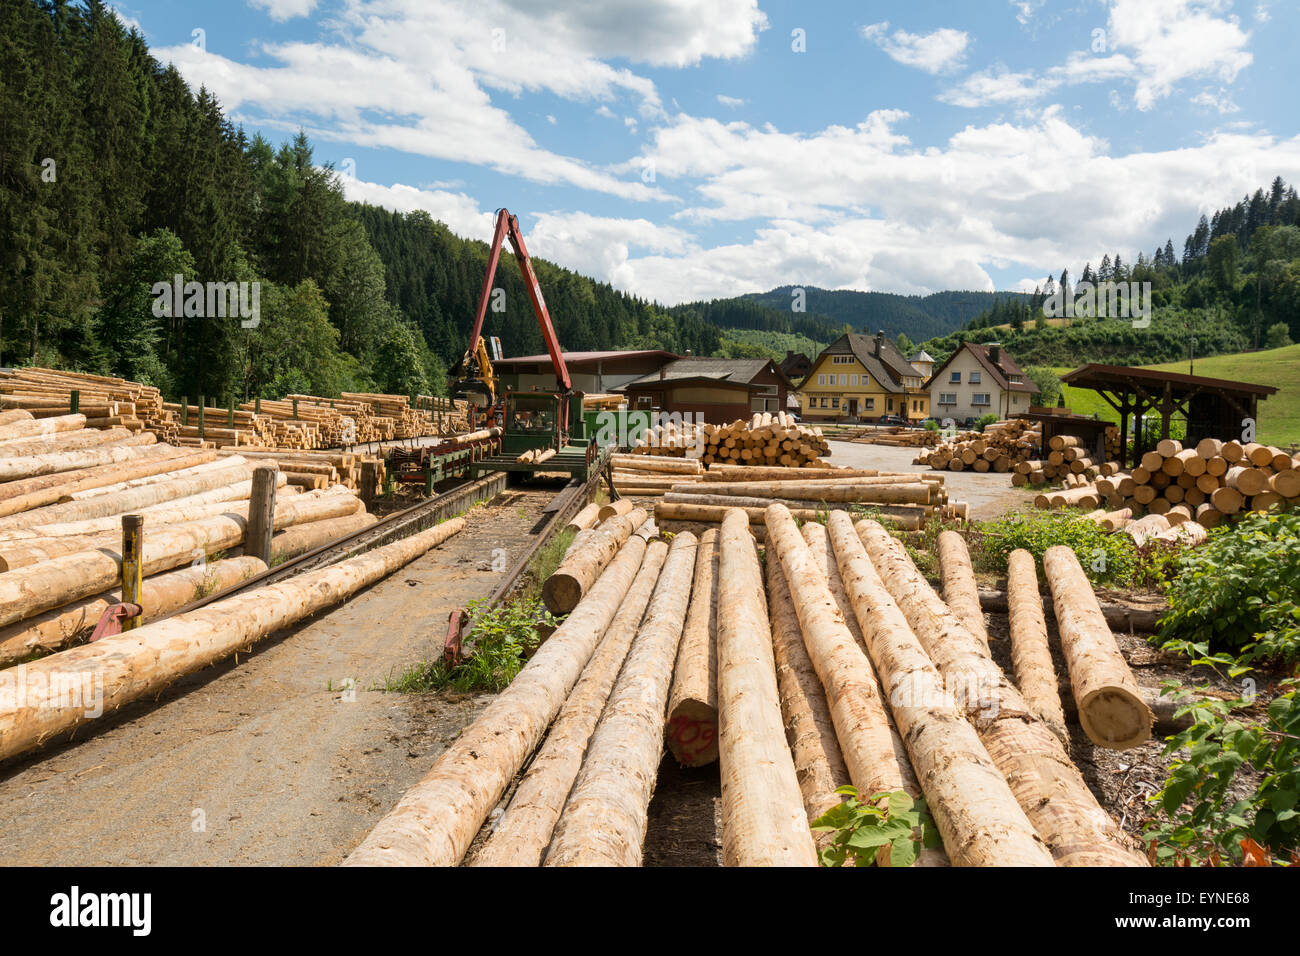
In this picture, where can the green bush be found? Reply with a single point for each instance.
(1204, 822)
(983, 420)
(931, 425)
(1106, 558)
(1239, 591)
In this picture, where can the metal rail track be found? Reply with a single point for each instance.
(398, 525)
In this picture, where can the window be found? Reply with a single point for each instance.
(890, 405)
(853, 381)
(821, 379)
(974, 378)
(871, 405)
(841, 359)
(981, 398)
(1015, 399)
(825, 402)
(844, 381)
(947, 398)
(954, 378)
(835, 402)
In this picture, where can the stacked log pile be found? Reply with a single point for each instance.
(763, 440)
(63, 496)
(1205, 484)
(106, 402)
(837, 665)
(902, 438)
(1000, 446)
(1067, 462)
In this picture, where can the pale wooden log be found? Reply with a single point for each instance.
(9, 416)
(1143, 528)
(960, 591)
(72, 441)
(585, 560)
(676, 466)
(434, 823)
(866, 736)
(692, 727)
(30, 427)
(973, 807)
(809, 729)
(521, 836)
(1048, 787)
(1111, 709)
(302, 538)
(763, 819)
(917, 492)
(134, 499)
(584, 519)
(33, 466)
(20, 496)
(35, 704)
(727, 473)
(615, 508)
(604, 820)
(161, 594)
(1031, 658)
(669, 511)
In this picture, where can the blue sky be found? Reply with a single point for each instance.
(682, 149)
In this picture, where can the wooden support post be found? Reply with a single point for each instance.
(230, 413)
(74, 402)
(295, 408)
(369, 482)
(132, 545)
(185, 410)
(261, 514)
(257, 405)
(202, 403)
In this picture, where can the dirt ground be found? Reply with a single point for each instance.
(271, 761)
(989, 494)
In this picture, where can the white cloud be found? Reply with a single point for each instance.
(601, 246)
(1025, 9)
(1154, 43)
(550, 118)
(944, 50)
(1220, 101)
(282, 10)
(460, 212)
(730, 101)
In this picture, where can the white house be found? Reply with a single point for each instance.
(978, 379)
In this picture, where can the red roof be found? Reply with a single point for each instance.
(575, 358)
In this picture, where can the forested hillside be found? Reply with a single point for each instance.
(1236, 287)
(114, 176)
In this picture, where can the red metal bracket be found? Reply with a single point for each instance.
(457, 631)
(110, 622)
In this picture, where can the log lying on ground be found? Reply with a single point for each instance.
(22, 496)
(778, 473)
(670, 466)
(959, 589)
(763, 818)
(862, 724)
(1111, 708)
(713, 514)
(818, 540)
(160, 595)
(1049, 788)
(584, 519)
(39, 587)
(692, 727)
(809, 729)
(29, 427)
(587, 557)
(73, 441)
(604, 819)
(614, 509)
(33, 466)
(302, 538)
(135, 499)
(973, 807)
(1120, 617)
(523, 833)
(1031, 657)
(35, 702)
(9, 416)
(434, 823)
(913, 493)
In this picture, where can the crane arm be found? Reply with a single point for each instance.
(508, 227)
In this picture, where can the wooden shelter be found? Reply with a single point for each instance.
(1213, 407)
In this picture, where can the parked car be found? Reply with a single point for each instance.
(892, 420)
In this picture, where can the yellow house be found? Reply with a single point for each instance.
(859, 377)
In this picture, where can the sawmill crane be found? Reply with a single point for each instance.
(479, 384)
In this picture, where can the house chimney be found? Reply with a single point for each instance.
(995, 354)
(663, 372)
(880, 341)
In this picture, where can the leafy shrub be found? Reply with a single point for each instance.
(1239, 591)
(499, 642)
(1204, 822)
(931, 425)
(861, 828)
(983, 420)
(1106, 558)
